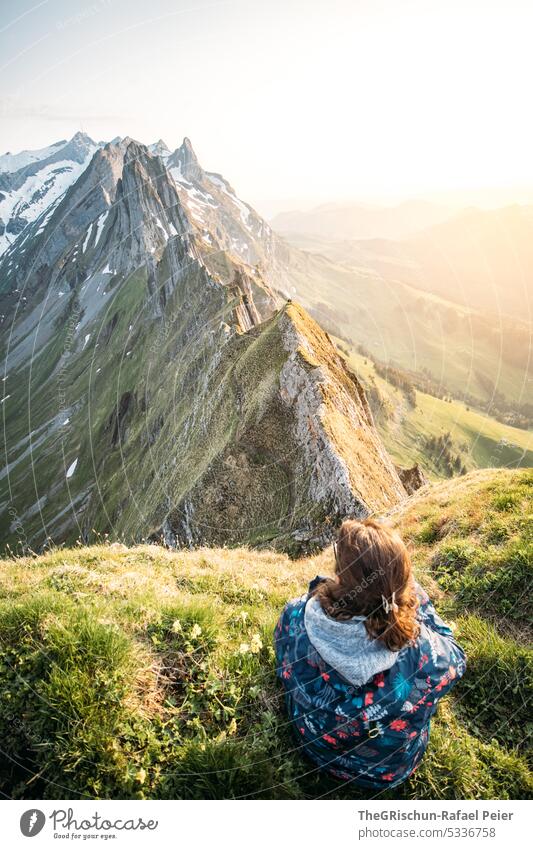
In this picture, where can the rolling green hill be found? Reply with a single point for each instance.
(478, 439)
(146, 672)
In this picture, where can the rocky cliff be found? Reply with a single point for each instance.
(282, 445)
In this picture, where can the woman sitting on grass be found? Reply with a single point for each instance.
(364, 658)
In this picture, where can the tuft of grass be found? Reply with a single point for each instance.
(494, 694)
(462, 765)
(72, 719)
(474, 537)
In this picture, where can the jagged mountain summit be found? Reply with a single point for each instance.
(155, 384)
(33, 182)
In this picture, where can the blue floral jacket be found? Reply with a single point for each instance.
(374, 735)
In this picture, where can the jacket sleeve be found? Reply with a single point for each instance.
(284, 634)
(445, 659)
(285, 628)
(429, 616)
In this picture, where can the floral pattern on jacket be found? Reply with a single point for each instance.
(376, 734)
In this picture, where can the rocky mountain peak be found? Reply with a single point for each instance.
(159, 148)
(81, 138)
(185, 160)
(134, 150)
(187, 148)
(78, 148)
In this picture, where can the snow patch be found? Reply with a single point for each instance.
(15, 161)
(87, 237)
(100, 224)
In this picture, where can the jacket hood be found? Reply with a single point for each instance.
(345, 645)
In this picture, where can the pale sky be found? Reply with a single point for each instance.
(294, 102)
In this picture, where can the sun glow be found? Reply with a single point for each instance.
(308, 100)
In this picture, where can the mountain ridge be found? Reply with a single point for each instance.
(148, 272)
(361, 221)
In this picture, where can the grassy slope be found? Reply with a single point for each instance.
(144, 672)
(482, 441)
(40, 392)
(403, 324)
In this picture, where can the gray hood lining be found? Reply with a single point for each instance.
(345, 645)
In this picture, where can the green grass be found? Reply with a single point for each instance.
(500, 673)
(146, 673)
(480, 440)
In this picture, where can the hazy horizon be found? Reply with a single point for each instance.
(480, 197)
(294, 102)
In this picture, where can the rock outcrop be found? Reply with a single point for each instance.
(412, 479)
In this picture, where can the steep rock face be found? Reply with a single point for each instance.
(348, 462)
(296, 448)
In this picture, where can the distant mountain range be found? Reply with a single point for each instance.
(338, 221)
(479, 258)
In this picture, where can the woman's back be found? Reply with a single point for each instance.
(360, 708)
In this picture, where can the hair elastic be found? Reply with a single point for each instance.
(387, 606)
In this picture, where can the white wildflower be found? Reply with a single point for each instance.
(256, 644)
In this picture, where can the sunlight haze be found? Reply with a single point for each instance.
(296, 103)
